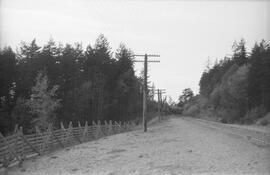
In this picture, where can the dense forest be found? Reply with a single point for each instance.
(53, 83)
(235, 89)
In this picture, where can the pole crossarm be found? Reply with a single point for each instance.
(151, 61)
(160, 90)
(140, 55)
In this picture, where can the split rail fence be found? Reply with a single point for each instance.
(16, 148)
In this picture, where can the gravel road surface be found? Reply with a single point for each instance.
(175, 146)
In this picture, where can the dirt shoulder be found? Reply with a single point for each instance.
(253, 127)
(259, 135)
(175, 146)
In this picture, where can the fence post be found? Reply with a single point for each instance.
(99, 129)
(117, 130)
(23, 155)
(64, 133)
(80, 131)
(62, 125)
(16, 130)
(106, 130)
(110, 128)
(124, 126)
(85, 131)
(69, 130)
(128, 126)
(38, 132)
(120, 126)
(96, 127)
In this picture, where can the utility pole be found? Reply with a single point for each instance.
(145, 84)
(159, 93)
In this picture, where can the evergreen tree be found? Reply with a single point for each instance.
(254, 77)
(7, 87)
(258, 77)
(265, 79)
(27, 67)
(239, 52)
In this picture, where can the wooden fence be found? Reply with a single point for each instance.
(14, 149)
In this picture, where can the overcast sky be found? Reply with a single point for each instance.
(184, 33)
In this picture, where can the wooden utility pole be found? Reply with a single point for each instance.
(159, 93)
(145, 89)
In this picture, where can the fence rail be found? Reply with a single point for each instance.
(16, 148)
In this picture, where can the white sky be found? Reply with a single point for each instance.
(184, 33)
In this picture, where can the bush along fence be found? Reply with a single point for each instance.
(16, 148)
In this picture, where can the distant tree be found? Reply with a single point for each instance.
(100, 68)
(126, 91)
(29, 51)
(27, 67)
(48, 59)
(7, 75)
(213, 76)
(259, 76)
(187, 94)
(50, 48)
(237, 87)
(171, 103)
(239, 52)
(7, 87)
(254, 77)
(266, 77)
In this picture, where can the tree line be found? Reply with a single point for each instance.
(56, 82)
(235, 88)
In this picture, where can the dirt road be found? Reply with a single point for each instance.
(176, 146)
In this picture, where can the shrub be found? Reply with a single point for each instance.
(223, 120)
(191, 109)
(227, 115)
(265, 120)
(252, 115)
